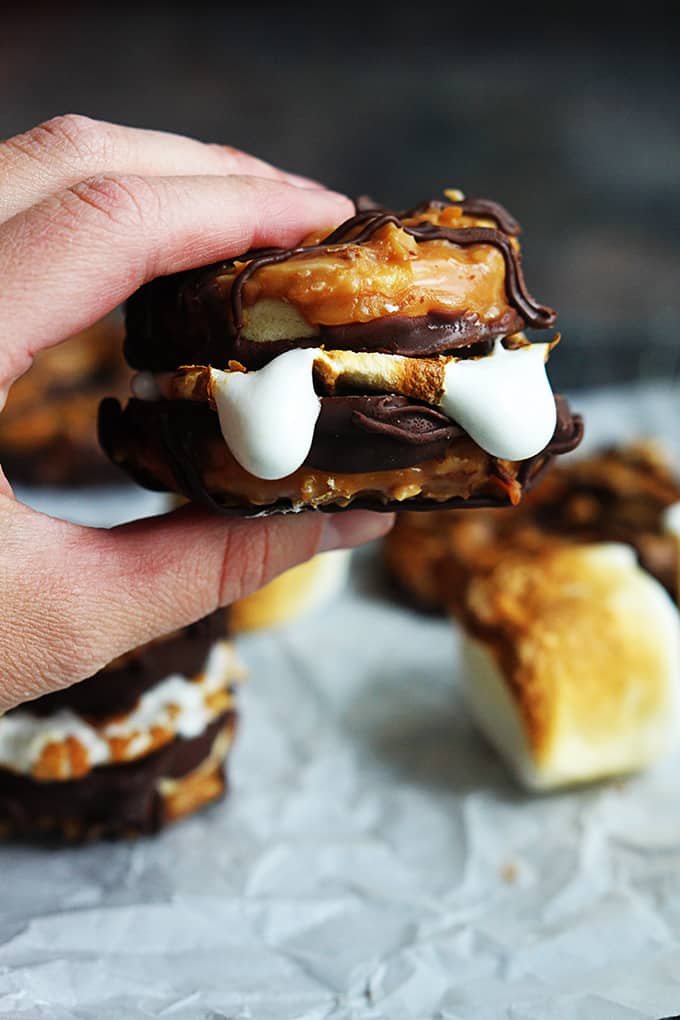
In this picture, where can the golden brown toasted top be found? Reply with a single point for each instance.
(419, 378)
(580, 636)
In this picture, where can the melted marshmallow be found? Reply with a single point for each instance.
(503, 401)
(24, 736)
(177, 703)
(144, 386)
(268, 416)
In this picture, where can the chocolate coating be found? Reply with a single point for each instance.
(377, 433)
(116, 689)
(184, 318)
(111, 800)
(177, 433)
(420, 336)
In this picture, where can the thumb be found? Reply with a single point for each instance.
(74, 598)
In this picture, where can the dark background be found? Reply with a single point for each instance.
(571, 119)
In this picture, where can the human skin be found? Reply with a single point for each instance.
(89, 212)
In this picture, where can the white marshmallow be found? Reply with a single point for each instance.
(594, 685)
(503, 401)
(268, 416)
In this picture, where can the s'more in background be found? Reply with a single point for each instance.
(48, 427)
(141, 744)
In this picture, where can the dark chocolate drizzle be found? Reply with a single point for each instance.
(484, 208)
(177, 432)
(369, 221)
(378, 433)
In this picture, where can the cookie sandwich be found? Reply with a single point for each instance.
(141, 744)
(379, 364)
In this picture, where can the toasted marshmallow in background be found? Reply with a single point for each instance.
(571, 664)
(299, 590)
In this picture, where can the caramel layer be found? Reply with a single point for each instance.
(435, 260)
(388, 275)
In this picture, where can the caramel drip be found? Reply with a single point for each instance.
(370, 221)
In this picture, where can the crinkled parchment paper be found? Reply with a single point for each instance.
(373, 859)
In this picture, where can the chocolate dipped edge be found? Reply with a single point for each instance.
(183, 318)
(196, 329)
(177, 451)
(111, 800)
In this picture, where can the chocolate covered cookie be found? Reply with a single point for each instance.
(381, 364)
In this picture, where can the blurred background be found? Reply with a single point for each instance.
(572, 121)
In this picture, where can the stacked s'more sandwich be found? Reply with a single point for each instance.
(141, 744)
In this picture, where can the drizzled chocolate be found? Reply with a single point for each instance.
(369, 222)
(186, 319)
(176, 435)
(481, 208)
(377, 433)
(116, 689)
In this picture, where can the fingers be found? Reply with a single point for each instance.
(71, 258)
(65, 150)
(75, 598)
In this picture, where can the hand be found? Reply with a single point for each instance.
(89, 212)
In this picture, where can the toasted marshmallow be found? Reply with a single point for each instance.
(294, 593)
(571, 664)
(267, 416)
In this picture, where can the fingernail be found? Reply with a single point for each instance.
(346, 529)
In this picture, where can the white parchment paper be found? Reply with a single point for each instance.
(373, 860)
